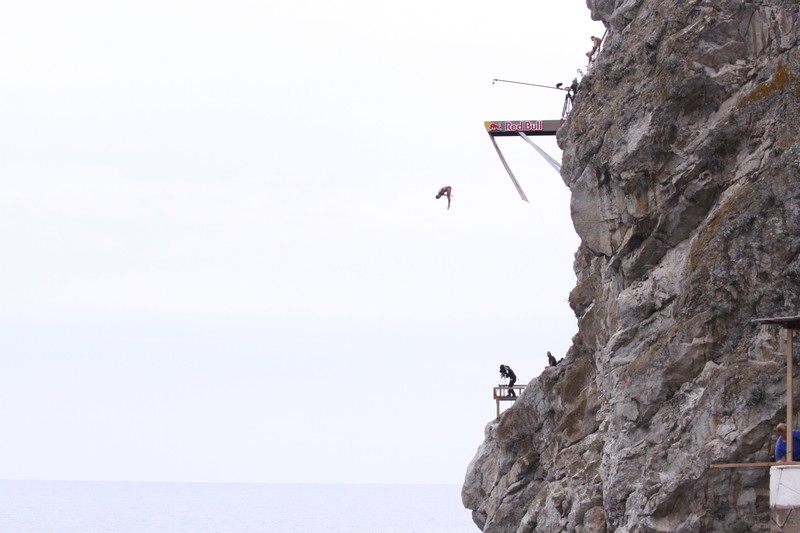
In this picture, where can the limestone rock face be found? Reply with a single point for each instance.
(683, 161)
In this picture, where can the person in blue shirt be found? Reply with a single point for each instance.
(780, 445)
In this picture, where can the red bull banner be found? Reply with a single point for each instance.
(528, 127)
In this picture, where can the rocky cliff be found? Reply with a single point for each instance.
(683, 161)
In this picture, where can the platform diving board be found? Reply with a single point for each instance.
(510, 128)
(786, 322)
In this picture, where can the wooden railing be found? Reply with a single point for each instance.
(501, 393)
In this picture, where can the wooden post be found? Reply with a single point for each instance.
(789, 323)
(789, 396)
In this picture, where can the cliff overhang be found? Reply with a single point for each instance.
(682, 158)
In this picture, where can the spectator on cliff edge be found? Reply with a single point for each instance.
(445, 191)
(780, 445)
(506, 372)
(595, 47)
(551, 359)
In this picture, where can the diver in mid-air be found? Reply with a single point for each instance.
(445, 191)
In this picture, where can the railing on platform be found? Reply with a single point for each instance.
(502, 393)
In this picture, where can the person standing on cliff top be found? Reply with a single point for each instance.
(445, 191)
(551, 359)
(595, 47)
(506, 372)
(780, 445)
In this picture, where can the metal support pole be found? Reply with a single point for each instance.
(553, 163)
(531, 84)
(508, 169)
(789, 396)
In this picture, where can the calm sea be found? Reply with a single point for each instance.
(97, 507)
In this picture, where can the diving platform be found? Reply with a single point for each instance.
(501, 393)
(511, 128)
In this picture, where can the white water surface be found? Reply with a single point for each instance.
(133, 507)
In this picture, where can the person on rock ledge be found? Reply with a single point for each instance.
(780, 445)
(506, 372)
(551, 359)
(596, 41)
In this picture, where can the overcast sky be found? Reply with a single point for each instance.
(223, 259)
